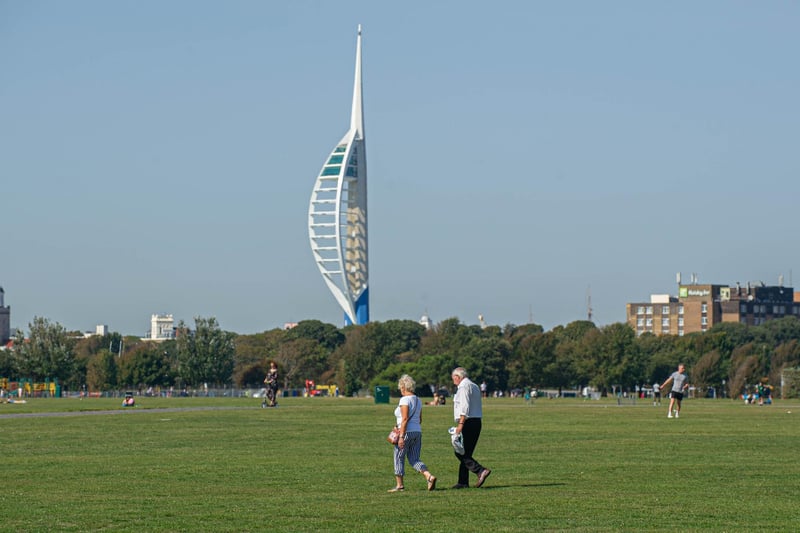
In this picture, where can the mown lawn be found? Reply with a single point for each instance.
(321, 464)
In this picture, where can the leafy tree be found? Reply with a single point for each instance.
(517, 334)
(327, 335)
(46, 354)
(448, 335)
(781, 330)
(706, 372)
(786, 355)
(148, 364)
(616, 357)
(534, 354)
(354, 360)
(205, 354)
(746, 368)
(101, 371)
(486, 359)
(575, 331)
(253, 353)
(300, 359)
(94, 344)
(434, 371)
(7, 364)
(395, 337)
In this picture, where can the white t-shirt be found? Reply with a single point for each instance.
(414, 405)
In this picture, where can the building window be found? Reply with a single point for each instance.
(649, 322)
(680, 333)
(639, 322)
(680, 309)
(704, 308)
(743, 309)
(640, 310)
(703, 320)
(664, 309)
(665, 322)
(680, 322)
(649, 310)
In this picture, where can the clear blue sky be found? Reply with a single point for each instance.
(158, 157)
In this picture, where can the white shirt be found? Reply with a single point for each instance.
(414, 420)
(467, 401)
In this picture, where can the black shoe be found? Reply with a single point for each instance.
(482, 477)
(460, 486)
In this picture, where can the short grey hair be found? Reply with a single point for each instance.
(460, 372)
(406, 383)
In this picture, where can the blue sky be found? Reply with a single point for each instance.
(158, 157)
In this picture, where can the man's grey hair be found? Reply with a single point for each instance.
(460, 372)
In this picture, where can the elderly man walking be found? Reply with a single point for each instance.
(467, 412)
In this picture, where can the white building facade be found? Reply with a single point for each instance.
(162, 327)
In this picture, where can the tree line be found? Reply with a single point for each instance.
(728, 357)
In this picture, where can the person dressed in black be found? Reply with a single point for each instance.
(271, 381)
(467, 412)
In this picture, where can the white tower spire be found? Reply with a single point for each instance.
(357, 113)
(337, 215)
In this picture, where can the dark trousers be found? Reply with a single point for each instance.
(470, 433)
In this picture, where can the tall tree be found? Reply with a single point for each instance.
(300, 359)
(327, 335)
(707, 371)
(533, 354)
(101, 371)
(615, 357)
(147, 364)
(205, 354)
(47, 353)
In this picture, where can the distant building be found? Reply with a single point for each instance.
(162, 327)
(5, 319)
(698, 307)
(101, 330)
(426, 321)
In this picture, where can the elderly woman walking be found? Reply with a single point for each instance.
(409, 422)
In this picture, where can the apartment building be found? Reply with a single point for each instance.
(698, 307)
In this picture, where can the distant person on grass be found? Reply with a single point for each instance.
(467, 412)
(656, 394)
(680, 382)
(271, 381)
(409, 421)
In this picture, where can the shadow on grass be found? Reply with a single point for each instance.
(490, 487)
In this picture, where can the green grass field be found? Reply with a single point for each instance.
(321, 464)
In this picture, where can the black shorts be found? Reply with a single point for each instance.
(676, 395)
